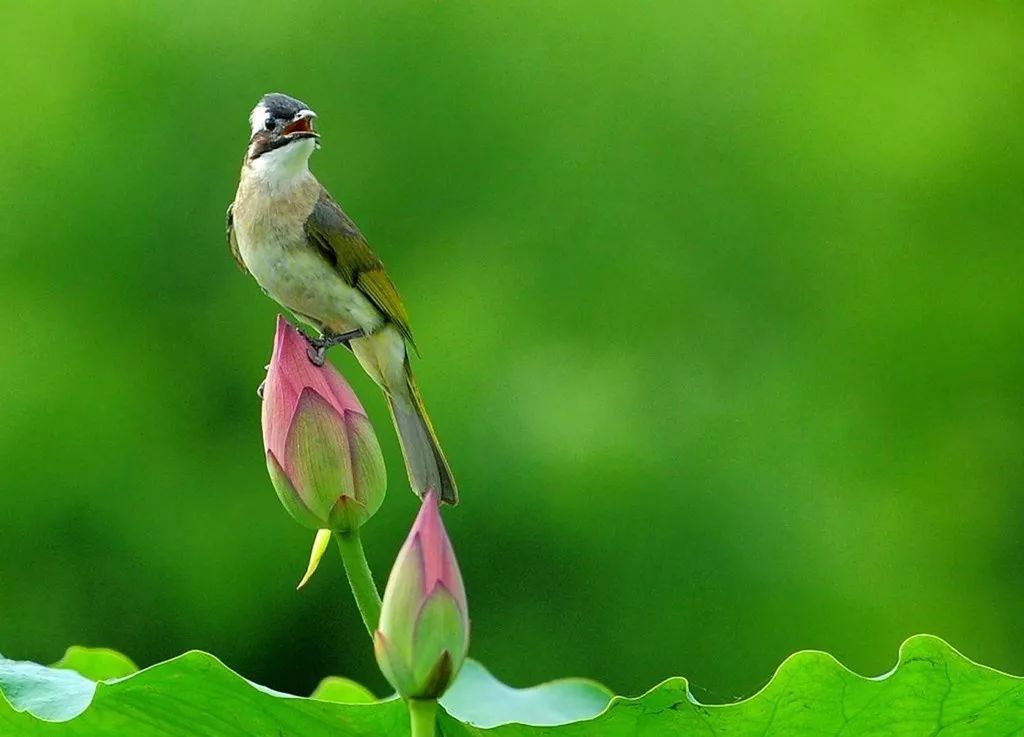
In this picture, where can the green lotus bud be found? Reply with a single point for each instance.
(423, 634)
(322, 454)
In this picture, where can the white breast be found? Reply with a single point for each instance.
(269, 224)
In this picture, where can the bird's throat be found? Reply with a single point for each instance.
(283, 168)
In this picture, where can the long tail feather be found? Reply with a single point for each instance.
(424, 459)
(383, 355)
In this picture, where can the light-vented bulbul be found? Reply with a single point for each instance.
(287, 231)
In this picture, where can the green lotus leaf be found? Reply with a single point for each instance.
(342, 691)
(933, 690)
(96, 663)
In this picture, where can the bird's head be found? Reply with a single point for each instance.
(282, 130)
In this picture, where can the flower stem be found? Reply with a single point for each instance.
(422, 717)
(360, 578)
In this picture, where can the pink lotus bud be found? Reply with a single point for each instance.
(322, 453)
(423, 634)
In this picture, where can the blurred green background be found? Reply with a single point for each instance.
(719, 307)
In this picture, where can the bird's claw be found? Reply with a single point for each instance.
(318, 346)
(317, 353)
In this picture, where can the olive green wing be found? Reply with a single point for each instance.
(232, 241)
(341, 243)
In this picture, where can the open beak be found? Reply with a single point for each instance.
(301, 126)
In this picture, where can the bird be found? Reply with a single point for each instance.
(286, 231)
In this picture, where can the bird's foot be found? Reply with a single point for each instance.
(318, 346)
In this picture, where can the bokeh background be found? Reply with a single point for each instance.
(719, 306)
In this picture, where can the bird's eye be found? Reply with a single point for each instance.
(269, 124)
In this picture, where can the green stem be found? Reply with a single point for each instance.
(360, 578)
(422, 717)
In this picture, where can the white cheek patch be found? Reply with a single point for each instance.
(258, 118)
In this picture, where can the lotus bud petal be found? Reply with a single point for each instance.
(423, 635)
(320, 542)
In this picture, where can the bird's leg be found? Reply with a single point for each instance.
(318, 346)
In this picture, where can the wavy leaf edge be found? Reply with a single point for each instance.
(916, 647)
(907, 654)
